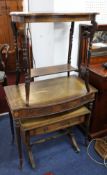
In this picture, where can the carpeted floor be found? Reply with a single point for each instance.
(56, 156)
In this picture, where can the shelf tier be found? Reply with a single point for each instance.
(51, 70)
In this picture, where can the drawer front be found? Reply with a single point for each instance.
(58, 125)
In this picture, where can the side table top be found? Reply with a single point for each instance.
(30, 17)
(47, 96)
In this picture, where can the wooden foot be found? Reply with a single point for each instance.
(29, 151)
(12, 127)
(73, 142)
(30, 155)
(20, 164)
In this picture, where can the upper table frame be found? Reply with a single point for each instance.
(36, 17)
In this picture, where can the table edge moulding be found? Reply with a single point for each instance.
(47, 98)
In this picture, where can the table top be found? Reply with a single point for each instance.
(48, 96)
(99, 70)
(30, 17)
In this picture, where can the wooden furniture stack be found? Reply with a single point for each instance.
(52, 104)
(98, 78)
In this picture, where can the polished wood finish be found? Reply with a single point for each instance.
(44, 100)
(99, 70)
(98, 78)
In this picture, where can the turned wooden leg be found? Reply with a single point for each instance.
(87, 80)
(19, 146)
(84, 73)
(70, 44)
(27, 89)
(16, 43)
(73, 142)
(26, 67)
(17, 76)
(29, 151)
(12, 127)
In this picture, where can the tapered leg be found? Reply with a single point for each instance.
(16, 42)
(19, 146)
(17, 76)
(87, 80)
(87, 129)
(70, 44)
(29, 151)
(73, 142)
(26, 67)
(12, 127)
(27, 89)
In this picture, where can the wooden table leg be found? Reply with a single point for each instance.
(73, 141)
(26, 61)
(16, 42)
(27, 90)
(19, 145)
(87, 129)
(70, 44)
(29, 151)
(11, 126)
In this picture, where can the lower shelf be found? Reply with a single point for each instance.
(51, 70)
(54, 122)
